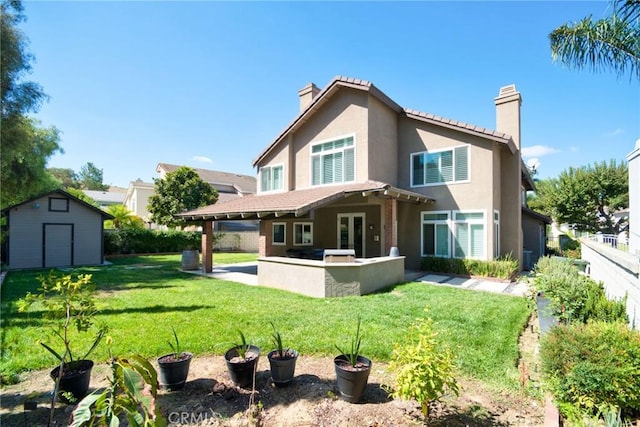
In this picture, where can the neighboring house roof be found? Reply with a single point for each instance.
(537, 215)
(106, 197)
(347, 82)
(297, 202)
(104, 214)
(222, 181)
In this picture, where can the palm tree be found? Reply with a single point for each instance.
(608, 43)
(123, 218)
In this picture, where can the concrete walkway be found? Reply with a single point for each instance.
(247, 273)
(476, 284)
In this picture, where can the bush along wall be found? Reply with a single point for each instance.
(503, 268)
(591, 360)
(141, 241)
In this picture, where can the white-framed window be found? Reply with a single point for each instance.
(435, 234)
(469, 234)
(440, 167)
(271, 178)
(496, 234)
(333, 162)
(303, 233)
(279, 233)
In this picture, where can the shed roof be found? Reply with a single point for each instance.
(104, 214)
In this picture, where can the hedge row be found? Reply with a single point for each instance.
(591, 360)
(140, 241)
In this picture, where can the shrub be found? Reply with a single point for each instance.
(503, 268)
(575, 297)
(592, 368)
(424, 367)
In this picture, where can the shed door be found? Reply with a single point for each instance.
(58, 245)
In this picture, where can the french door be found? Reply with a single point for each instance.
(351, 233)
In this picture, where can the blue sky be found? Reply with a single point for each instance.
(210, 84)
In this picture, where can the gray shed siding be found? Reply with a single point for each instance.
(39, 232)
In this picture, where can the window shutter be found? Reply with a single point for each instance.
(442, 240)
(462, 240)
(277, 178)
(315, 179)
(477, 240)
(265, 178)
(349, 165)
(462, 163)
(338, 174)
(433, 168)
(327, 169)
(446, 166)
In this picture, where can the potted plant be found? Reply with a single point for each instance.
(242, 362)
(69, 307)
(281, 360)
(174, 367)
(352, 370)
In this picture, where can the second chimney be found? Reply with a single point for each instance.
(307, 94)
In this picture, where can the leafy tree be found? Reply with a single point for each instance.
(179, 191)
(26, 145)
(609, 43)
(586, 197)
(90, 178)
(123, 218)
(67, 177)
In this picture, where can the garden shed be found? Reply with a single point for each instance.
(55, 229)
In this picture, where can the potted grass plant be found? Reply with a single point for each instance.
(242, 362)
(174, 367)
(282, 361)
(69, 309)
(352, 369)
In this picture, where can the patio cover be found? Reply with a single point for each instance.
(298, 202)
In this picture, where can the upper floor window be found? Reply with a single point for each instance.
(271, 178)
(438, 167)
(333, 162)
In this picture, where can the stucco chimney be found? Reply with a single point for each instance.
(307, 94)
(508, 104)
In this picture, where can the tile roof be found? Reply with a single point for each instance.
(341, 81)
(243, 183)
(298, 202)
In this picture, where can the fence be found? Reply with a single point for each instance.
(242, 241)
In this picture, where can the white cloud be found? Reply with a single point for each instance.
(538, 151)
(202, 159)
(615, 132)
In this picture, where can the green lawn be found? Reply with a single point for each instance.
(142, 298)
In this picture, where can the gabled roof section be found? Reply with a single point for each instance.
(321, 98)
(462, 127)
(347, 82)
(104, 214)
(244, 184)
(296, 203)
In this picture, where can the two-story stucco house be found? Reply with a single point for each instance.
(356, 170)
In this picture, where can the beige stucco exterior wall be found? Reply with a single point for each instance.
(341, 116)
(382, 151)
(26, 233)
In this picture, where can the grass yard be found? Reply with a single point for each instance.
(141, 298)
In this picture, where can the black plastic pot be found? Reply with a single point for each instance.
(241, 371)
(75, 380)
(352, 381)
(282, 369)
(173, 373)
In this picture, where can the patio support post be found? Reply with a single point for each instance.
(207, 246)
(391, 225)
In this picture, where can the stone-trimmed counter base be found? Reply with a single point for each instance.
(323, 279)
